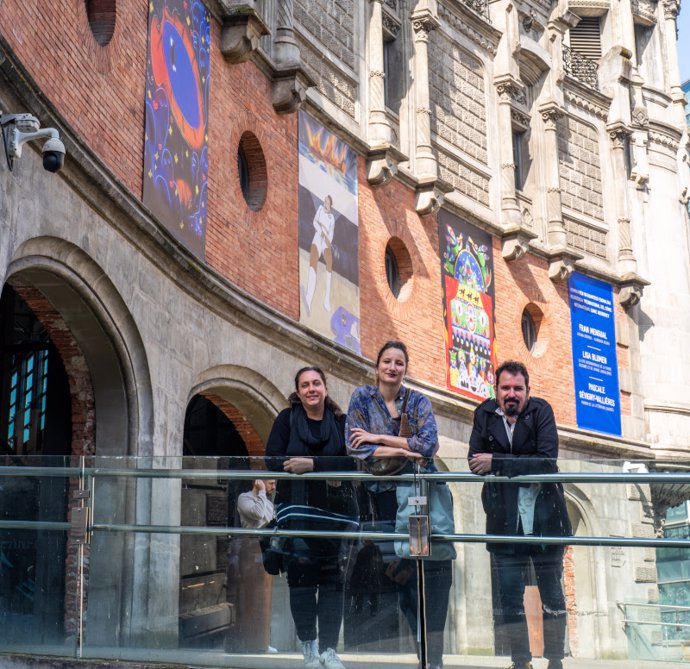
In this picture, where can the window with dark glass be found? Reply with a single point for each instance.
(392, 272)
(519, 158)
(529, 331)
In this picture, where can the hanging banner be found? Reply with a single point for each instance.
(595, 367)
(175, 146)
(468, 306)
(328, 234)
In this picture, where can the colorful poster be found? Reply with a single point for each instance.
(176, 141)
(468, 306)
(595, 367)
(328, 234)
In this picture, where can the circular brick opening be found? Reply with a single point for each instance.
(101, 15)
(398, 264)
(251, 166)
(533, 331)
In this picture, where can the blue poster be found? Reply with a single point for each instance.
(595, 367)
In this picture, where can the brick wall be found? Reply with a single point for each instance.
(256, 250)
(99, 90)
(252, 440)
(78, 375)
(526, 281)
(385, 212)
(571, 599)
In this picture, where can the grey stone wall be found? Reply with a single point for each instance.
(579, 165)
(331, 23)
(458, 98)
(464, 179)
(585, 238)
(340, 89)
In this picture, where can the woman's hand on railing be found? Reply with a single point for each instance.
(299, 465)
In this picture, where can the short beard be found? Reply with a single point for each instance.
(511, 410)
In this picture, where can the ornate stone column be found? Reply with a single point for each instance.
(507, 88)
(290, 80)
(555, 232)
(619, 135)
(561, 259)
(379, 126)
(671, 10)
(423, 22)
(286, 48)
(631, 285)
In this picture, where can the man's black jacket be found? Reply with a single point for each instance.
(534, 451)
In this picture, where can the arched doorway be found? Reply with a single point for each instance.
(214, 579)
(35, 429)
(96, 341)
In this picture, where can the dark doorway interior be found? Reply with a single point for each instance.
(35, 429)
(208, 592)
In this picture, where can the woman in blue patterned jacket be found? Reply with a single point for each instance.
(372, 430)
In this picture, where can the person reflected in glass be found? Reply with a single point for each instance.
(255, 510)
(373, 427)
(513, 435)
(309, 436)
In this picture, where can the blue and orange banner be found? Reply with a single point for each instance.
(176, 140)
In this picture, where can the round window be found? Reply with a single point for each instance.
(532, 330)
(251, 168)
(101, 15)
(398, 266)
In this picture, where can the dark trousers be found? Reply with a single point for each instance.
(438, 577)
(511, 570)
(316, 596)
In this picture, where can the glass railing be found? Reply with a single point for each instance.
(159, 559)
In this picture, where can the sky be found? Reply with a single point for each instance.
(684, 40)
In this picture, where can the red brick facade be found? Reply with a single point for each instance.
(257, 250)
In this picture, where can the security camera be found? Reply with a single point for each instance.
(18, 129)
(53, 155)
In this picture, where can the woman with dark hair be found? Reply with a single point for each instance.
(373, 431)
(307, 437)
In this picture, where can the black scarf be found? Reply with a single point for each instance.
(328, 441)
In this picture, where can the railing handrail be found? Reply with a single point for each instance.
(252, 474)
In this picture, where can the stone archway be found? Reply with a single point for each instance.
(101, 323)
(584, 581)
(73, 289)
(225, 596)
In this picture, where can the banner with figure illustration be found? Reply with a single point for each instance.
(468, 306)
(175, 143)
(328, 234)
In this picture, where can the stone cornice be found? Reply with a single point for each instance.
(458, 16)
(587, 99)
(665, 135)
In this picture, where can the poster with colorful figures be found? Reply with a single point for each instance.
(176, 141)
(328, 234)
(468, 306)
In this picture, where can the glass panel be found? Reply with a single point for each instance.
(39, 560)
(204, 590)
(189, 585)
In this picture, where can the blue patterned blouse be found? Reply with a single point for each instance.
(368, 411)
